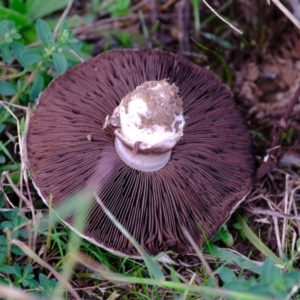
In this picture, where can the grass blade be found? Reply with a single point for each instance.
(153, 267)
(257, 242)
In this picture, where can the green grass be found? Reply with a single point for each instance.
(39, 256)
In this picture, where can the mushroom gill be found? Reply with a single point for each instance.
(210, 170)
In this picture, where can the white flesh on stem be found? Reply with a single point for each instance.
(149, 122)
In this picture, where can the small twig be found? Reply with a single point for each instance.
(276, 229)
(13, 76)
(166, 5)
(101, 22)
(10, 292)
(139, 5)
(295, 209)
(201, 257)
(273, 213)
(63, 16)
(288, 14)
(294, 242)
(278, 129)
(18, 192)
(14, 105)
(50, 226)
(219, 16)
(76, 55)
(185, 294)
(286, 211)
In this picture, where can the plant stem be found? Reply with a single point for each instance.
(13, 76)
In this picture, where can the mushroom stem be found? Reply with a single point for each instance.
(146, 162)
(149, 121)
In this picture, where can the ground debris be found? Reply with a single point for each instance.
(268, 87)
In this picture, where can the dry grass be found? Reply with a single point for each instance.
(272, 208)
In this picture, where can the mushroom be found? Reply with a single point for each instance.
(172, 149)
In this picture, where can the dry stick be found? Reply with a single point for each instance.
(166, 5)
(50, 226)
(94, 25)
(286, 199)
(201, 257)
(287, 13)
(279, 245)
(58, 25)
(63, 17)
(18, 192)
(185, 294)
(10, 292)
(294, 250)
(23, 174)
(272, 213)
(219, 16)
(278, 129)
(295, 207)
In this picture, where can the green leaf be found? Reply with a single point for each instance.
(20, 20)
(18, 5)
(34, 284)
(2, 127)
(37, 86)
(18, 272)
(18, 50)
(15, 213)
(7, 269)
(7, 88)
(12, 167)
(5, 26)
(16, 250)
(71, 44)
(32, 55)
(2, 159)
(227, 239)
(15, 234)
(270, 273)
(63, 27)
(226, 275)
(236, 287)
(44, 281)
(27, 271)
(6, 53)
(298, 245)
(44, 33)
(118, 8)
(23, 233)
(1, 205)
(2, 259)
(22, 126)
(60, 62)
(291, 278)
(7, 224)
(197, 23)
(174, 276)
(222, 42)
(39, 8)
(6, 151)
(230, 257)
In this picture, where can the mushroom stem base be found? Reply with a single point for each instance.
(146, 162)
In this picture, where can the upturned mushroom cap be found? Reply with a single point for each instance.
(210, 170)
